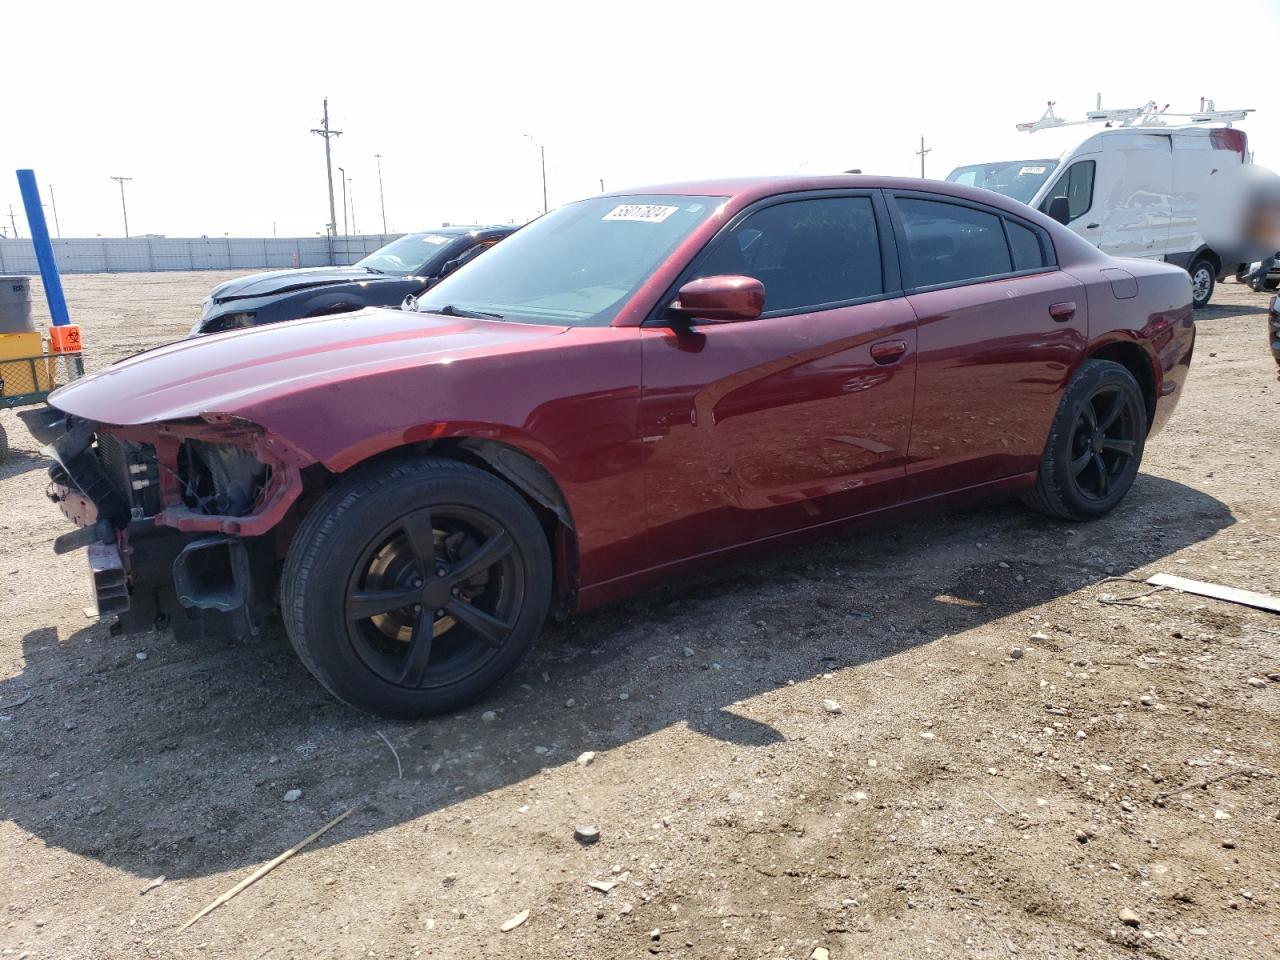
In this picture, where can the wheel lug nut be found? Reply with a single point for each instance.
(417, 581)
(455, 591)
(439, 614)
(417, 608)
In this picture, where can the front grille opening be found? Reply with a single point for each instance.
(220, 478)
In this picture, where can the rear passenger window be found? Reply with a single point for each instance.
(948, 243)
(807, 253)
(1025, 246)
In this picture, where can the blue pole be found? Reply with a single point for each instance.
(44, 248)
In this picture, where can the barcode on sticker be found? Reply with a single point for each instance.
(1030, 170)
(644, 212)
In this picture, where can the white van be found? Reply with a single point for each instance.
(1131, 187)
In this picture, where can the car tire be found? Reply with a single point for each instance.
(1095, 444)
(1204, 276)
(411, 588)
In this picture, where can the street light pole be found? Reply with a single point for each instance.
(352, 191)
(542, 151)
(123, 208)
(342, 175)
(382, 201)
(53, 201)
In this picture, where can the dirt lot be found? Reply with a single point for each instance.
(967, 801)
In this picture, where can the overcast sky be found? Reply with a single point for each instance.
(208, 106)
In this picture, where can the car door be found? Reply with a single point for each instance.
(799, 417)
(1000, 329)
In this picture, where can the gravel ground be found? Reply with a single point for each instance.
(1020, 764)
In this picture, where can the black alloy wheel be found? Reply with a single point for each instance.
(1104, 442)
(434, 596)
(414, 585)
(1095, 444)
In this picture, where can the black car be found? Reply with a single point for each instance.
(404, 267)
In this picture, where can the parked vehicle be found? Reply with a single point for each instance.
(1132, 187)
(1260, 276)
(403, 268)
(1273, 327)
(628, 388)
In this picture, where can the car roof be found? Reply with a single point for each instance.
(741, 191)
(458, 230)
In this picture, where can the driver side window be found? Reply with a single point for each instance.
(1076, 184)
(807, 253)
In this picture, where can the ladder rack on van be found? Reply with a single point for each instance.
(1147, 115)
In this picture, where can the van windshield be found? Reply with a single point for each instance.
(1017, 179)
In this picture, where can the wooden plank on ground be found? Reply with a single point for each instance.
(1230, 594)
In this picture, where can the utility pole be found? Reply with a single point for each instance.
(382, 201)
(352, 191)
(543, 152)
(53, 201)
(124, 209)
(602, 184)
(921, 153)
(13, 221)
(328, 134)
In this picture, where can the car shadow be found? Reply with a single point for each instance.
(177, 764)
(1225, 311)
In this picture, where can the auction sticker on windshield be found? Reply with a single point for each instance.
(1032, 171)
(644, 212)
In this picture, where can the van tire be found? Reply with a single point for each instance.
(1203, 278)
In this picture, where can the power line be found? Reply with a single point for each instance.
(123, 208)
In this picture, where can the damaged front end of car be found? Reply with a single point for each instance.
(182, 520)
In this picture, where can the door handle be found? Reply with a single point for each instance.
(1062, 312)
(1092, 226)
(887, 351)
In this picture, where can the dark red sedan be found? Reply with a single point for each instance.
(632, 385)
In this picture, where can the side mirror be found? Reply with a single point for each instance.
(721, 299)
(1060, 210)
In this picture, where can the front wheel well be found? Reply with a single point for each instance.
(520, 471)
(1134, 359)
(1204, 253)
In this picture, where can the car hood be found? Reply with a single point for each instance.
(243, 372)
(282, 281)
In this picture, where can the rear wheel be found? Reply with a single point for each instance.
(413, 589)
(1203, 276)
(1095, 445)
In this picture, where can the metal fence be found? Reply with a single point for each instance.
(148, 254)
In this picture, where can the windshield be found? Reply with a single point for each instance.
(408, 255)
(1018, 179)
(576, 266)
